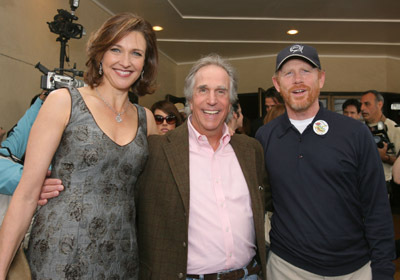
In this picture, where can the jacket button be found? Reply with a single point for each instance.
(180, 275)
(184, 244)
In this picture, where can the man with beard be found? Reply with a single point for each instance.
(332, 216)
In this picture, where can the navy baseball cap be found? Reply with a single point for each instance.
(305, 52)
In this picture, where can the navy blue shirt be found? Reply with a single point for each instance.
(332, 212)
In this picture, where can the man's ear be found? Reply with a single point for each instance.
(275, 81)
(380, 105)
(321, 77)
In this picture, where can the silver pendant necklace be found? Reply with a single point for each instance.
(118, 115)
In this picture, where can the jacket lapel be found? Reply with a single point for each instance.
(177, 154)
(246, 157)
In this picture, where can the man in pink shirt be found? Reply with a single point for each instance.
(201, 196)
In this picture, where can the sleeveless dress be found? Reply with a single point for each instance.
(89, 231)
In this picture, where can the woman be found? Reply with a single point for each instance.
(99, 143)
(166, 115)
(274, 112)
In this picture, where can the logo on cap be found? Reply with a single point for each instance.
(296, 48)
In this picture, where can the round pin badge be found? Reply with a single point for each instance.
(321, 127)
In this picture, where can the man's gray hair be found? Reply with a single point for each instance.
(211, 59)
(377, 94)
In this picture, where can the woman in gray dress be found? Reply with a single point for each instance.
(96, 142)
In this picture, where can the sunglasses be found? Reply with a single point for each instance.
(171, 119)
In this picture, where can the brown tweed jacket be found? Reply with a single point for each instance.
(163, 202)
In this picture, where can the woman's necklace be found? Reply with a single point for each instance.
(118, 115)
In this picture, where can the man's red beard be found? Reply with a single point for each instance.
(300, 103)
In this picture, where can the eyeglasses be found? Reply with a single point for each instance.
(171, 119)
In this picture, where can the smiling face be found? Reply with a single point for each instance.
(123, 62)
(210, 103)
(299, 84)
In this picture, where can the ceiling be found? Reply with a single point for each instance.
(252, 28)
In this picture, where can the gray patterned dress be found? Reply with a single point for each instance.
(89, 231)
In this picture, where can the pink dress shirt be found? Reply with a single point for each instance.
(221, 227)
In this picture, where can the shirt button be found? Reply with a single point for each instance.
(184, 244)
(227, 229)
(180, 275)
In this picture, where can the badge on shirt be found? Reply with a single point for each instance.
(321, 127)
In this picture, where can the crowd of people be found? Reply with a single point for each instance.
(137, 193)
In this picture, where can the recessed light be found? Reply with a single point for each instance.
(292, 32)
(157, 28)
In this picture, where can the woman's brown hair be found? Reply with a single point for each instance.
(274, 112)
(112, 31)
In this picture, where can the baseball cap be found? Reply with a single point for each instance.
(306, 52)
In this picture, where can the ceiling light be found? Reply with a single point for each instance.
(292, 32)
(157, 28)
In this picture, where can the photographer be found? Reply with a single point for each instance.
(11, 151)
(371, 109)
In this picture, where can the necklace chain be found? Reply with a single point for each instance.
(118, 115)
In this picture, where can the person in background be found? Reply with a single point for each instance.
(96, 141)
(352, 108)
(166, 115)
(371, 109)
(331, 212)
(201, 195)
(235, 119)
(13, 149)
(11, 152)
(274, 112)
(272, 98)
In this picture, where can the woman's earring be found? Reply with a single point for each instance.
(101, 69)
(141, 75)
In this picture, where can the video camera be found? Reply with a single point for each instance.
(379, 132)
(63, 26)
(51, 80)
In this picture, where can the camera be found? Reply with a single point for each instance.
(51, 80)
(63, 23)
(64, 26)
(379, 132)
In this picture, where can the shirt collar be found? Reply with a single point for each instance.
(286, 124)
(201, 140)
